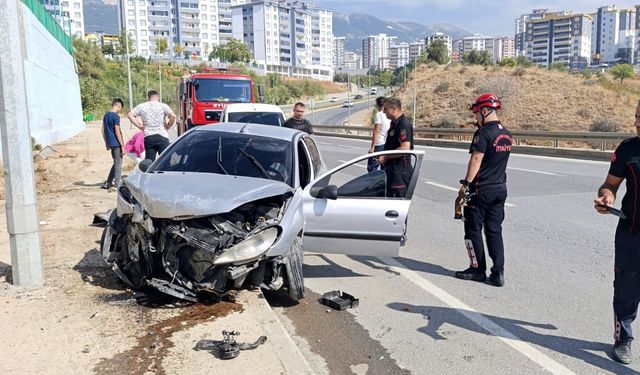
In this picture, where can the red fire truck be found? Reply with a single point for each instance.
(203, 95)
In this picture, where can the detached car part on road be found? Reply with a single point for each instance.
(234, 204)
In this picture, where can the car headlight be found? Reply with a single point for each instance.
(249, 249)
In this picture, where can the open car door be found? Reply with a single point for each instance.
(349, 210)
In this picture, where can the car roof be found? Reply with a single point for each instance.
(252, 107)
(277, 132)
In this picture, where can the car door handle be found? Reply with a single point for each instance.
(392, 214)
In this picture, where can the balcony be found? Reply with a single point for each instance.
(189, 10)
(189, 38)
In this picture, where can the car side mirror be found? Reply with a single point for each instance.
(145, 164)
(327, 192)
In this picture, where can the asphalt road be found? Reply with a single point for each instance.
(554, 314)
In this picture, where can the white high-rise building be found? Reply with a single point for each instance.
(375, 51)
(339, 49)
(69, 14)
(284, 38)
(440, 36)
(479, 42)
(415, 50)
(352, 60)
(398, 55)
(504, 47)
(613, 35)
(135, 18)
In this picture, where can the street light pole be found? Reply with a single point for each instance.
(126, 38)
(21, 205)
(349, 99)
(415, 91)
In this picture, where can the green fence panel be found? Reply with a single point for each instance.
(50, 23)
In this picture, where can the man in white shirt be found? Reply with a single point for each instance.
(380, 128)
(154, 119)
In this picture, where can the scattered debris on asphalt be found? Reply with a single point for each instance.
(339, 300)
(228, 348)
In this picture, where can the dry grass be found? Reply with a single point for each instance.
(534, 99)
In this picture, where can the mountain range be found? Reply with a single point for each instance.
(102, 16)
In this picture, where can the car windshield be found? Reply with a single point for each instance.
(229, 153)
(223, 90)
(265, 118)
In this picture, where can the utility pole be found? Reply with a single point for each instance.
(21, 201)
(415, 92)
(160, 75)
(349, 99)
(126, 38)
(369, 87)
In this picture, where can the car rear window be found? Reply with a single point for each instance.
(265, 118)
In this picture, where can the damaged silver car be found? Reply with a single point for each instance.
(233, 205)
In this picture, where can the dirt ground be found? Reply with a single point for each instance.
(83, 320)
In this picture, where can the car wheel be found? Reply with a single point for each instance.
(295, 278)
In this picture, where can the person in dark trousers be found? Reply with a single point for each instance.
(485, 186)
(113, 141)
(381, 126)
(399, 137)
(298, 122)
(625, 165)
(155, 119)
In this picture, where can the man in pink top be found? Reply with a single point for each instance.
(135, 147)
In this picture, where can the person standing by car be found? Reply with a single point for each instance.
(625, 165)
(298, 122)
(113, 141)
(155, 119)
(379, 134)
(399, 137)
(485, 184)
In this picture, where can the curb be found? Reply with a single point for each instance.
(290, 356)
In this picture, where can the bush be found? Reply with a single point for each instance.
(587, 74)
(463, 70)
(442, 87)
(447, 121)
(604, 125)
(509, 62)
(584, 113)
(560, 67)
(520, 71)
(470, 82)
(432, 65)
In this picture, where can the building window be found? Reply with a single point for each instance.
(143, 13)
(132, 23)
(77, 15)
(77, 6)
(204, 17)
(143, 23)
(205, 36)
(131, 13)
(141, 3)
(143, 32)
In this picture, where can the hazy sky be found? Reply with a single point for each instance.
(471, 15)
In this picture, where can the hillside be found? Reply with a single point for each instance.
(358, 25)
(533, 98)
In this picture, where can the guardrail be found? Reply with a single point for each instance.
(600, 142)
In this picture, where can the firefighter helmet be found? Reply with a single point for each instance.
(485, 100)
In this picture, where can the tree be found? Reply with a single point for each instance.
(121, 49)
(477, 58)
(438, 52)
(162, 45)
(385, 79)
(178, 49)
(560, 67)
(508, 62)
(622, 72)
(524, 62)
(89, 58)
(235, 50)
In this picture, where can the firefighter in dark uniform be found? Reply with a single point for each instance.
(399, 137)
(625, 165)
(485, 186)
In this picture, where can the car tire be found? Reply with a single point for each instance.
(295, 278)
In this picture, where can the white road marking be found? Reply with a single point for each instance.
(456, 190)
(482, 321)
(534, 171)
(356, 147)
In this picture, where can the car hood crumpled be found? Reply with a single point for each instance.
(168, 195)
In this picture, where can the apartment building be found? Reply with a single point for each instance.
(339, 50)
(291, 39)
(613, 35)
(504, 47)
(415, 50)
(563, 38)
(457, 49)
(440, 36)
(478, 42)
(375, 51)
(521, 29)
(352, 60)
(69, 14)
(398, 55)
(135, 18)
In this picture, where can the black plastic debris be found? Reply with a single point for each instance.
(339, 300)
(101, 219)
(228, 348)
